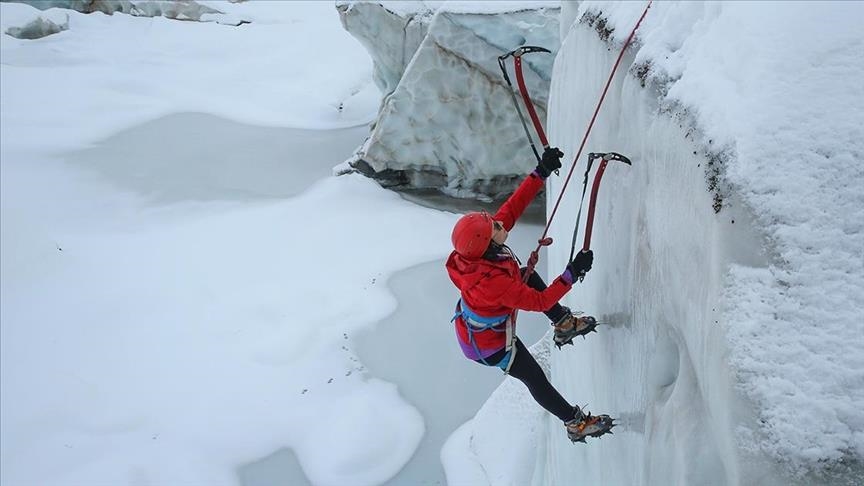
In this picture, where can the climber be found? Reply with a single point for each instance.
(490, 281)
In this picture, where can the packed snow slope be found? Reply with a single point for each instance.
(174, 301)
(728, 259)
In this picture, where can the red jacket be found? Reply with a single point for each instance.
(495, 288)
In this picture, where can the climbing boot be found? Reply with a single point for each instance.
(571, 326)
(588, 425)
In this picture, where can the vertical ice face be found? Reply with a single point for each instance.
(390, 35)
(711, 260)
(738, 222)
(660, 258)
(447, 120)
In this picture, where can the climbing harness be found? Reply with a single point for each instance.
(544, 239)
(476, 323)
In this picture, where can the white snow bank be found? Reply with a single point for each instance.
(501, 444)
(187, 340)
(119, 71)
(169, 344)
(25, 22)
(189, 10)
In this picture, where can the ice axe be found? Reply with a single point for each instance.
(589, 223)
(520, 80)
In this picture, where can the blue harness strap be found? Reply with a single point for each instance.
(477, 323)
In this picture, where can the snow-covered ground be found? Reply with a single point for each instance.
(179, 273)
(186, 291)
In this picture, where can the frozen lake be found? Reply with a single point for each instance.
(200, 157)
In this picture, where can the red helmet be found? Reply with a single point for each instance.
(472, 234)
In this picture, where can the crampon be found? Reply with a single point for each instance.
(567, 329)
(589, 426)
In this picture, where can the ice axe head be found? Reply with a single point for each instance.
(616, 156)
(523, 50)
(528, 49)
(607, 156)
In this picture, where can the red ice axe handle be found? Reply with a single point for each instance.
(520, 80)
(592, 204)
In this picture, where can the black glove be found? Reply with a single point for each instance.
(581, 264)
(551, 161)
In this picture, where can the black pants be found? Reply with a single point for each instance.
(526, 369)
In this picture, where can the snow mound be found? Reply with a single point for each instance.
(26, 22)
(29, 23)
(341, 449)
(474, 453)
(185, 10)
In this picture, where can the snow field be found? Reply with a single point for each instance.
(171, 339)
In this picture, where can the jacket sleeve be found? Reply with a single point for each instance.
(516, 294)
(515, 205)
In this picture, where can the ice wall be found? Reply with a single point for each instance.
(662, 254)
(708, 369)
(731, 349)
(447, 120)
(391, 34)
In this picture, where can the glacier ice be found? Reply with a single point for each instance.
(390, 36)
(447, 120)
(732, 298)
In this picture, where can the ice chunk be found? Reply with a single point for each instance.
(391, 35)
(447, 120)
(40, 25)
